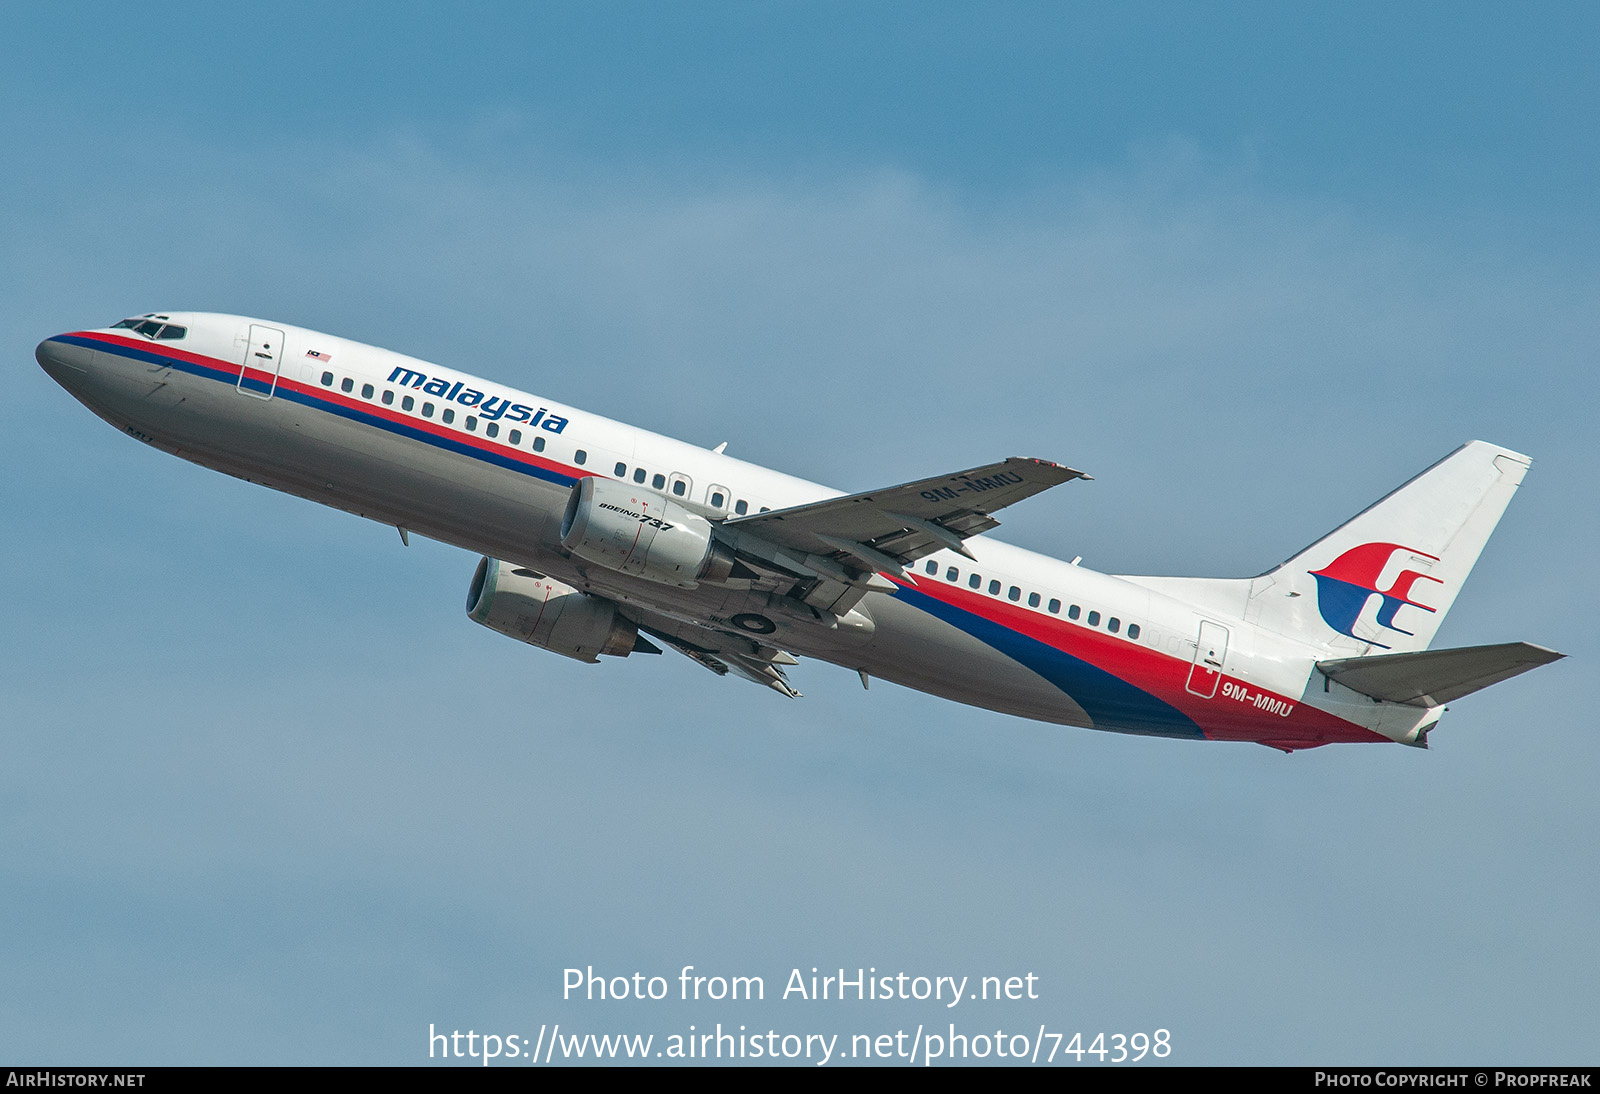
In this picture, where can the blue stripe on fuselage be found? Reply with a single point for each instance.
(354, 414)
(1112, 702)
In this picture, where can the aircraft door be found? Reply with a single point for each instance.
(263, 358)
(1209, 653)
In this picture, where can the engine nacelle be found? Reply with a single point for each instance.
(643, 534)
(546, 613)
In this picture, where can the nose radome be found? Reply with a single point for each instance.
(61, 359)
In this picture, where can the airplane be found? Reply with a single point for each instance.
(600, 539)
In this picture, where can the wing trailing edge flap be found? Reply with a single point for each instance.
(725, 653)
(1427, 678)
(843, 544)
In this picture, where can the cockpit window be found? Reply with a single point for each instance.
(149, 324)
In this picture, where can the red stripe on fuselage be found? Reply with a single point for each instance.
(1164, 677)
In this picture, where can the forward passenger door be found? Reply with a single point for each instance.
(263, 359)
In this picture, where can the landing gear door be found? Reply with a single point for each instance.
(262, 360)
(1209, 653)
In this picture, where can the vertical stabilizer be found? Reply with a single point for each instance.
(1383, 581)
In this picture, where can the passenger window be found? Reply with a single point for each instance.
(1094, 619)
(1055, 606)
(515, 436)
(932, 567)
(580, 457)
(974, 581)
(427, 410)
(448, 416)
(366, 391)
(407, 403)
(327, 379)
(678, 488)
(493, 429)
(952, 574)
(994, 588)
(1113, 624)
(659, 481)
(622, 471)
(472, 423)
(1014, 593)
(388, 398)
(538, 444)
(347, 385)
(1033, 600)
(742, 508)
(764, 509)
(716, 499)
(1074, 611)
(1133, 630)
(639, 473)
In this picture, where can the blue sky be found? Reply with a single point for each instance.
(269, 797)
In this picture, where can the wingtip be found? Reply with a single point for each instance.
(1069, 472)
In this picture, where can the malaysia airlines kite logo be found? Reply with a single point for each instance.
(1346, 584)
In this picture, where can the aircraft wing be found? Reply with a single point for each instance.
(723, 653)
(885, 530)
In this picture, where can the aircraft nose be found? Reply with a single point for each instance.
(63, 360)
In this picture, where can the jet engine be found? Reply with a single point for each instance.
(643, 534)
(546, 613)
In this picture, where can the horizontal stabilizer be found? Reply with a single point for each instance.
(1430, 678)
